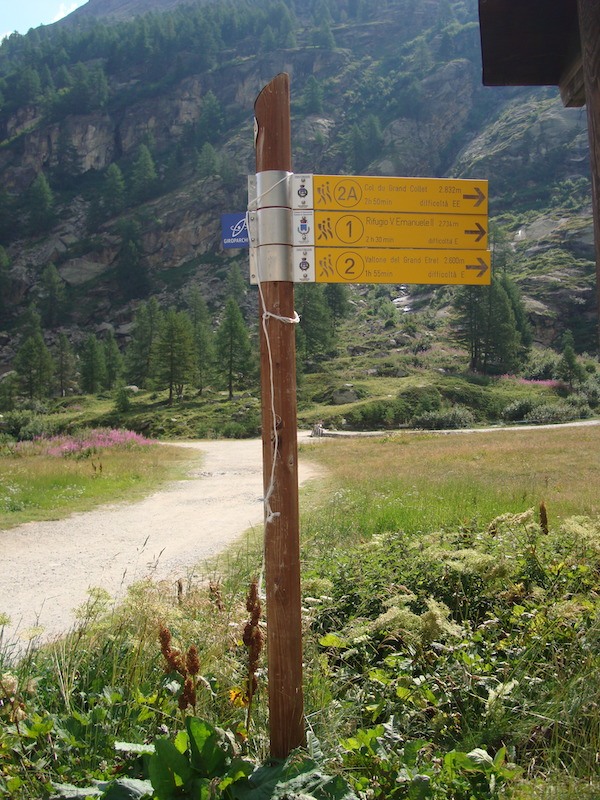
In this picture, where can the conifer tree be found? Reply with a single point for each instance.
(236, 285)
(486, 324)
(30, 322)
(68, 165)
(35, 367)
(312, 96)
(113, 361)
(233, 347)
(131, 271)
(314, 334)
(143, 175)
(174, 353)
(64, 360)
(5, 283)
(113, 191)
(40, 203)
(92, 366)
(210, 121)
(139, 356)
(204, 346)
(568, 368)
(207, 162)
(52, 298)
(8, 219)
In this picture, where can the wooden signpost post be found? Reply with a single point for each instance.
(333, 229)
(279, 431)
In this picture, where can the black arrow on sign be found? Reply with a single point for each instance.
(479, 197)
(479, 233)
(482, 267)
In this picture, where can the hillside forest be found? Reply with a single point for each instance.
(123, 141)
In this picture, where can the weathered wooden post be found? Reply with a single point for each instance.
(279, 422)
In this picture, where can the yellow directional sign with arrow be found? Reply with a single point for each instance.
(391, 265)
(340, 229)
(363, 229)
(366, 193)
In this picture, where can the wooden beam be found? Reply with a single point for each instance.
(280, 454)
(589, 27)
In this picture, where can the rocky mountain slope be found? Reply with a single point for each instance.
(393, 88)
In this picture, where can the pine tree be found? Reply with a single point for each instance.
(93, 366)
(30, 322)
(52, 298)
(139, 356)
(312, 97)
(233, 347)
(210, 121)
(132, 276)
(568, 368)
(68, 165)
(204, 346)
(64, 360)
(174, 353)
(113, 361)
(143, 175)
(502, 341)
(207, 162)
(8, 218)
(40, 203)
(113, 191)
(236, 285)
(336, 295)
(487, 325)
(5, 283)
(34, 366)
(314, 334)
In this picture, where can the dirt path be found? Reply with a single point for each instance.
(46, 568)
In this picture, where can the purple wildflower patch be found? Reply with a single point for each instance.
(88, 442)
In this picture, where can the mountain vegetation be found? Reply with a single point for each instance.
(124, 135)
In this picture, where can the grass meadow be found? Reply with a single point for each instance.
(452, 641)
(49, 479)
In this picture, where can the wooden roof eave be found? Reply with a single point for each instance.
(532, 43)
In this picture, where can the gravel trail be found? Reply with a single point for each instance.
(46, 568)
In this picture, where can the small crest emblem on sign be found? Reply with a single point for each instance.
(303, 227)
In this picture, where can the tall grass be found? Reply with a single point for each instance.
(433, 604)
(50, 478)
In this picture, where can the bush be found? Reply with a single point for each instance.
(480, 399)
(452, 418)
(518, 410)
(374, 415)
(38, 427)
(419, 400)
(552, 413)
(541, 365)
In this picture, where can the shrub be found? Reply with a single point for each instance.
(541, 365)
(552, 413)
(518, 410)
(374, 415)
(26, 425)
(480, 399)
(38, 427)
(452, 418)
(419, 400)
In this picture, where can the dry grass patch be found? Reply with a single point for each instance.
(559, 465)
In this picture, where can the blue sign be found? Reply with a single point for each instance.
(235, 230)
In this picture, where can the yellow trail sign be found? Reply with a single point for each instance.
(391, 265)
(401, 195)
(341, 229)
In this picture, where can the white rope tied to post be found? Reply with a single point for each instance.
(270, 515)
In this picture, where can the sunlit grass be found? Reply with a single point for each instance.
(422, 481)
(36, 485)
